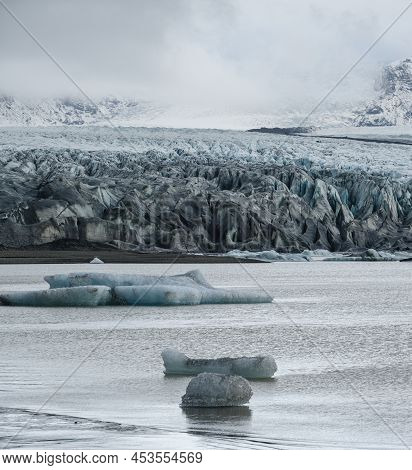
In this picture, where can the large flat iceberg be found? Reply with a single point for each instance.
(190, 279)
(258, 367)
(93, 289)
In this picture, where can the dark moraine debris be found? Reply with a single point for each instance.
(283, 130)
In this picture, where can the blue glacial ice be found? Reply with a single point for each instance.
(258, 367)
(272, 256)
(92, 289)
(158, 295)
(190, 279)
(88, 296)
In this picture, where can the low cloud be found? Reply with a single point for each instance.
(224, 54)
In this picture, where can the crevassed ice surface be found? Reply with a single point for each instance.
(340, 333)
(207, 145)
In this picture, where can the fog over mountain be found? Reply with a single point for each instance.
(232, 57)
(391, 105)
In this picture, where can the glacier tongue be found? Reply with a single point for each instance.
(202, 191)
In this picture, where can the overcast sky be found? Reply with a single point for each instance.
(246, 54)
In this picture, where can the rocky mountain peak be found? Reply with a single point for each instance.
(393, 104)
(396, 78)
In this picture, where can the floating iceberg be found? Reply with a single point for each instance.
(190, 288)
(96, 261)
(89, 296)
(213, 390)
(189, 279)
(92, 289)
(259, 367)
(272, 256)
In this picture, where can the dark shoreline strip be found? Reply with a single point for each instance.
(112, 256)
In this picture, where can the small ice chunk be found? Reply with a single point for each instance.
(258, 367)
(157, 295)
(96, 261)
(371, 255)
(89, 296)
(213, 390)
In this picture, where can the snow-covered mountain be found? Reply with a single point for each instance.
(71, 111)
(393, 105)
(125, 112)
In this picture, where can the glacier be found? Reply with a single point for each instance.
(202, 191)
(215, 390)
(259, 367)
(95, 289)
(88, 296)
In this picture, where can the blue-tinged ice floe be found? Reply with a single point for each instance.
(271, 256)
(92, 289)
(158, 295)
(87, 296)
(258, 367)
(190, 279)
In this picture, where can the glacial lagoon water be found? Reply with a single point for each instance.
(340, 333)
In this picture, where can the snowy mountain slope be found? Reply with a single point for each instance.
(130, 112)
(70, 111)
(393, 105)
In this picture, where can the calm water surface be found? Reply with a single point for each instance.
(340, 332)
